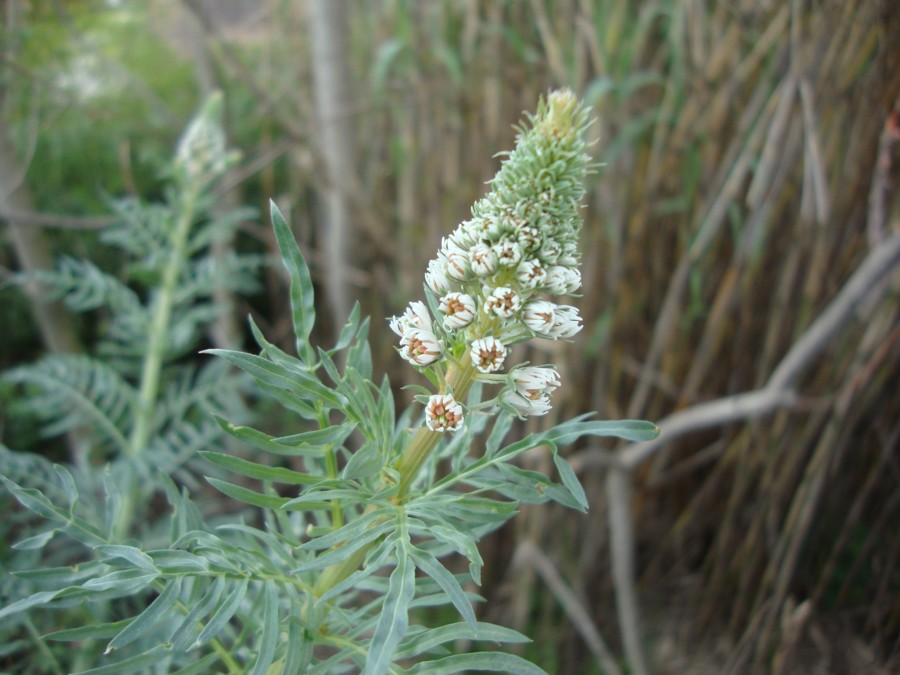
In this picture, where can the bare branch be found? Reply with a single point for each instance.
(528, 552)
(863, 288)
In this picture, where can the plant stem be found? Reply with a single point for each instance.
(460, 377)
(157, 341)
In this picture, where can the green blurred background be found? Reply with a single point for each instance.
(749, 151)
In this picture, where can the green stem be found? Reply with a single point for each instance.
(331, 468)
(157, 341)
(459, 379)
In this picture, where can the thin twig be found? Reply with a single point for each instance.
(528, 552)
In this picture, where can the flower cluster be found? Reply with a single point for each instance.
(495, 274)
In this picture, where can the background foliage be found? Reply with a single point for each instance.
(745, 151)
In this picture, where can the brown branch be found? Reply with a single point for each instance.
(528, 553)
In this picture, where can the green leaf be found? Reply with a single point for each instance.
(149, 618)
(570, 480)
(349, 330)
(224, 613)
(501, 427)
(170, 561)
(186, 633)
(36, 542)
(341, 553)
(347, 533)
(115, 554)
(268, 639)
(90, 632)
(295, 382)
(122, 581)
(448, 583)
(302, 299)
(309, 445)
(464, 544)
(458, 631)
(259, 471)
(394, 618)
(130, 665)
(75, 527)
(478, 661)
(33, 600)
(254, 498)
(365, 462)
(299, 645)
(629, 430)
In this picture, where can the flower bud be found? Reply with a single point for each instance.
(504, 302)
(562, 280)
(566, 323)
(531, 274)
(421, 347)
(443, 413)
(488, 354)
(458, 310)
(483, 259)
(540, 316)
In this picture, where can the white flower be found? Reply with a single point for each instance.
(540, 316)
(443, 413)
(436, 277)
(531, 274)
(533, 381)
(458, 310)
(483, 259)
(526, 406)
(509, 253)
(451, 244)
(488, 354)
(415, 316)
(457, 266)
(562, 280)
(504, 302)
(530, 393)
(421, 347)
(566, 323)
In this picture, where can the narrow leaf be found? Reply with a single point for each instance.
(570, 480)
(394, 619)
(186, 633)
(458, 631)
(478, 661)
(224, 613)
(280, 446)
(254, 498)
(259, 471)
(268, 639)
(149, 618)
(630, 430)
(133, 664)
(113, 554)
(302, 299)
(448, 583)
(90, 632)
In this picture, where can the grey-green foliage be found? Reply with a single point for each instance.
(338, 550)
(134, 410)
